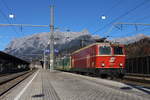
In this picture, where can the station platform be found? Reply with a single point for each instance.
(56, 85)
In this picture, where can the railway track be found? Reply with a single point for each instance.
(3, 75)
(7, 82)
(136, 80)
(130, 79)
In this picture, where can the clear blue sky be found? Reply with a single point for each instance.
(75, 15)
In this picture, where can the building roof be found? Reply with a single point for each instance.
(7, 57)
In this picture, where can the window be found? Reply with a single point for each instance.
(105, 50)
(118, 50)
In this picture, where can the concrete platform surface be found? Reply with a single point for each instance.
(56, 85)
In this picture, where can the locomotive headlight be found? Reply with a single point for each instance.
(103, 64)
(121, 64)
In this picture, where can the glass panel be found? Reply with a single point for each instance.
(105, 50)
(118, 50)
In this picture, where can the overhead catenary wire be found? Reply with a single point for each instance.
(24, 25)
(6, 18)
(116, 4)
(129, 24)
(139, 19)
(132, 24)
(5, 4)
(1, 12)
(123, 15)
(135, 24)
(143, 18)
(141, 30)
(113, 7)
(8, 8)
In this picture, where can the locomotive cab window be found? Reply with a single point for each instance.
(105, 50)
(118, 50)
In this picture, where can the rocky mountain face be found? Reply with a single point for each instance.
(32, 47)
(139, 48)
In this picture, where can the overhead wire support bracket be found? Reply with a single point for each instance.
(121, 27)
(24, 25)
(118, 27)
(133, 24)
(144, 24)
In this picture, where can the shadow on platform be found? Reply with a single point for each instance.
(126, 88)
(38, 96)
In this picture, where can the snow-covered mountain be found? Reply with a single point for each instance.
(131, 39)
(34, 45)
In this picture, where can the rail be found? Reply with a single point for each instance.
(9, 81)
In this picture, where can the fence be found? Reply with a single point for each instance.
(139, 65)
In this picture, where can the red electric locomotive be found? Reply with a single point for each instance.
(104, 59)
